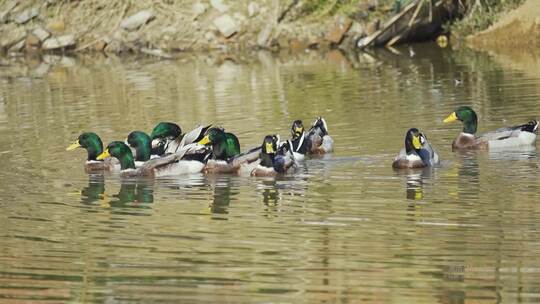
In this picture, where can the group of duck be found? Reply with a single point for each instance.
(418, 153)
(167, 151)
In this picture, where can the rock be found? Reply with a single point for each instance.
(219, 6)
(17, 47)
(340, 28)
(5, 13)
(133, 22)
(41, 33)
(296, 45)
(156, 52)
(283, 41)
(225, 25)
(357, 29)
(264, 35)
(59, 42)
(26, 15)
(253, 9)
(100, 45)
(198, 9)
(32, 41)
(241, 18)
(11, 35)
(209, 36)
(56, 26)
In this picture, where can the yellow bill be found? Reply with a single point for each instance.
(269, 148)
(73, 146)
(451, 117)
(206, 140)
(103, 155)
(416, 142)
(298, 129)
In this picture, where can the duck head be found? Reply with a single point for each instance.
(142, 144)
(414, 140)
(161, 134)
(89, 141)
(467, 116)
(297, 129)
(213, 135)
(122, 152)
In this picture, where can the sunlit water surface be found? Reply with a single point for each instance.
(342, 229)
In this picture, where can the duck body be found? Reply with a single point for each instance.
(417, 153)
(503, 138)
(168, 165)
(318, 139)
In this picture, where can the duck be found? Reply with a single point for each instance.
(224, 145)
(271, 160)
(168, 165)
(167, 137)
(298, 140)
(94, 147)
(503, 138)
(318, 139)
(417, 153)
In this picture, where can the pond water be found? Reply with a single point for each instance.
(345, 228)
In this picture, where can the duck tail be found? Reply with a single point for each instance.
(531, 126)
(319, 126)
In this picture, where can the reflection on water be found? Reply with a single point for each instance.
(343, 228)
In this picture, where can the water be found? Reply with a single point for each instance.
(342, 229)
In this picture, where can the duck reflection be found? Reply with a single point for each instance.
(270, 193)
(133, 192)
(415, 181)
(95, 190)
(222, 194)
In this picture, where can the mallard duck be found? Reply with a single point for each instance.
(224, 145)
(318, 140)
(298, 140)
(94, 146)
(272, 162)
(167, 137)
(417, 153)
(171, 164)
(511, 137)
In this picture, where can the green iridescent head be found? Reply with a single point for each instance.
(89, 141)
(213, 135)
(467, 116)
(142, 144)
(166, 130)
(120, 151)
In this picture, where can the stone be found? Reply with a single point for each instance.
(373, 26)
(26, 15)
(56, 26)
(338, 31)
(41, 33)
(219, 6)
(209, 36)
(253, 9)
(5, 13)
(59, 42)
(133, 22)
(264, 35)
(296, 45)
(225, 25)
(198, 9)
(241, 18)
(17, 47)
(11, 36)
(100, 45)
(32, 41)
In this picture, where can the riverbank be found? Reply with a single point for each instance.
(162, 28)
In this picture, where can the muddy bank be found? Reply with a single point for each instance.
(516, 30)
(162, 28)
